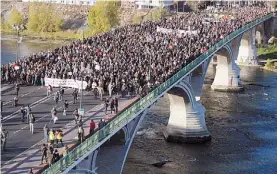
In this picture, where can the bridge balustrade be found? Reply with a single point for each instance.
(92, 143)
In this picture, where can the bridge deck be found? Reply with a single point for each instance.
(31, 158)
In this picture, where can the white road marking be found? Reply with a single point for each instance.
(41, 118)
(22, 95)
(6, 163)
(31, 106)
(37, 120)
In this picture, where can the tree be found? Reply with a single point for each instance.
(268, 63)
(103, 16)
(42, 17)
(158, 13)
(15, 18)
(33, 18)
(155, 14)
(137, 19)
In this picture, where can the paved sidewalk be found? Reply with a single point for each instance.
(31, 158)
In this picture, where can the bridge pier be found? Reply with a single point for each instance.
(187, 116)
(227, 77)
(248, 51)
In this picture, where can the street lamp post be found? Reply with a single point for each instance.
(83, 30)
(83, 73)
(81, 99)
(18, 28)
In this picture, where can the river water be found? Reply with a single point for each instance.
(243, 128)
(8, 49)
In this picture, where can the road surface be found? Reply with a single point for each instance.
(20, 137)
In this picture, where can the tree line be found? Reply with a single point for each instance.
(43, 17)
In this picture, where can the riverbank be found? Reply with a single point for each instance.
(269, 69)
(268, 53)
(58, 37)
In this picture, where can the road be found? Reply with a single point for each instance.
(20, 137)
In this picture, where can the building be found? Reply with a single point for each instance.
(146, 4)
(69, 2)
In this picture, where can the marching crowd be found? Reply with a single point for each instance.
(132, 59)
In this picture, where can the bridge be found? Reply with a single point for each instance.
(106, 150)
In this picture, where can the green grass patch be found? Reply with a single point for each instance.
(55, 36)
(268, 52)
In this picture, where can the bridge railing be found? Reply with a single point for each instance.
(94, 140)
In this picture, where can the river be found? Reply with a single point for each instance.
(8, 49)
(242, 125)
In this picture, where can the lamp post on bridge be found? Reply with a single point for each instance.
(83, 28)
(18, 28)
(83, 73)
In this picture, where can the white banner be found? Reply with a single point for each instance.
(178, 32)
(65, 83)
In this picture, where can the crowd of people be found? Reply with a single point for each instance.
(132, 58)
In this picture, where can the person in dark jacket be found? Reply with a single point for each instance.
(106, 105)
(56, 156)
(112, 106)
(116, 104)
(44, 153)
(91, 126)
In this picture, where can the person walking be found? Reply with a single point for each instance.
(116, 104)
(59, 137)
(4, 136)
(75, 94)
(51, 137)
(49, 90)
(28, 111)
(80, 133)
(76, 116)
(17, 89)
(112, 106)
(23, 112)
(15, 101)
(65, 106)
(53, 115)
(101, 124)
(91, 126)
(110, 89)
(50, 155)
(61, 93)
(2, 106)
(46, 133)
(44, 153)
(56, 97)
(32, 121)
(100, 92)
(56, 156)
(30, 171)
(65, 151)
(106, 105)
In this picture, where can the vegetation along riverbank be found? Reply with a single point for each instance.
(269, 53)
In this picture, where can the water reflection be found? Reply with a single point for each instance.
(8, 49)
